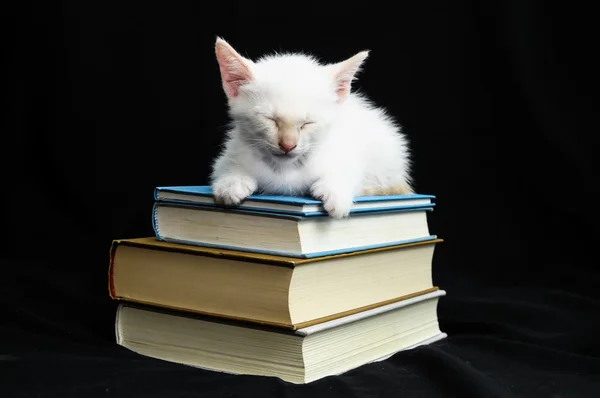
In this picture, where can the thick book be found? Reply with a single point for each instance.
(299, 357)
(306, 206)
(286, 234)
(288, 293)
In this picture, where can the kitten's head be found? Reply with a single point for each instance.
(284, 103)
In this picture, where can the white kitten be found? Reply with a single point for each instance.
(298, 130)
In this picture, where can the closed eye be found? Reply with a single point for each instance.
(271, 119)
(306, 124)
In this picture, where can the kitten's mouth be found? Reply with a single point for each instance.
(283, 155)
(277, 158)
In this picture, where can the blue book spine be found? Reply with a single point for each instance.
(206, 191)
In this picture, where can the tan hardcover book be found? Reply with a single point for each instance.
(287, 292)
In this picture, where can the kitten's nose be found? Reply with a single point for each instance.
(287, 147)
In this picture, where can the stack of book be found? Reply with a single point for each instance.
(275, 287)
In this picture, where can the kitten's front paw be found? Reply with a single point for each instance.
(231, 191)
(336, 202)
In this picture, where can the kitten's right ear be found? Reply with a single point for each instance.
(235, 69)
(345, 72)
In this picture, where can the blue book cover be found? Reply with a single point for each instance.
(202, 195)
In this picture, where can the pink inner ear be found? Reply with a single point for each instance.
(235, 76)
(234, 70)
(346, 72)
(343, 87)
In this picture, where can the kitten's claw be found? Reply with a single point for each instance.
(231, 191)
(336, 203)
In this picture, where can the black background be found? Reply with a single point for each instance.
(104, 101)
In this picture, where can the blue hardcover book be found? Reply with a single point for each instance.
(202, 195)
(278, 233)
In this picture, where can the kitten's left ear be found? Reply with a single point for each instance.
(235, 69)
(345, 72)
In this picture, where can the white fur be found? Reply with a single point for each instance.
(350, 147)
